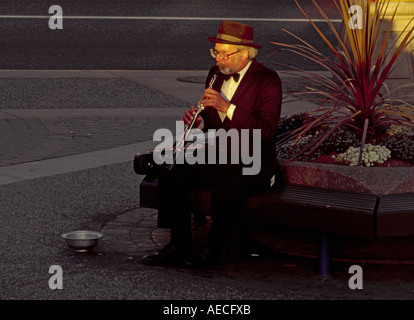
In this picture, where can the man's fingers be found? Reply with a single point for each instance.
(189, 115)
(209, 93)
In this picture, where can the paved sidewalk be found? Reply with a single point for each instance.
(67, 142)
(57, 122)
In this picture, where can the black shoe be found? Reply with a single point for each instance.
(205, 259)
(166, 254)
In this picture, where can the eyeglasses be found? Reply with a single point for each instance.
(222, 55)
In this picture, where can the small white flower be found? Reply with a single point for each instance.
(371, 154)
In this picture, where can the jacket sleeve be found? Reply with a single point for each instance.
(261, 108)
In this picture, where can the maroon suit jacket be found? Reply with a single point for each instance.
(258, 105)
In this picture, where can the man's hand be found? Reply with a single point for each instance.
(189, 115)
(212, 98)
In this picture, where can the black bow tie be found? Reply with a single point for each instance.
(236, 76)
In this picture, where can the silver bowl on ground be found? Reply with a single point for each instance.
(83, 240)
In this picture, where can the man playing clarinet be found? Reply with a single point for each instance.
(245, 96)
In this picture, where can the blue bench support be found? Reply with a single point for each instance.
(324, 256)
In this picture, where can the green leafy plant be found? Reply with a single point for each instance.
(401, 146)
(356, 95)
(338, 142)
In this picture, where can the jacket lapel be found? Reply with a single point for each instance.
(244, 83)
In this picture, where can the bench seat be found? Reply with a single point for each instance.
(395, 215)
(327, 212)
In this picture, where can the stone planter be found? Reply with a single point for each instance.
(373, 180)
(391, 247)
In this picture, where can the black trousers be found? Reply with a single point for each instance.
(229, 187)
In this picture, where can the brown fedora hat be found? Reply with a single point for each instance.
(232, 32)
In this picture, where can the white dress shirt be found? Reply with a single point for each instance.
(228, 89)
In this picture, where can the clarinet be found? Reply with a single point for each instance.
(180, 144)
